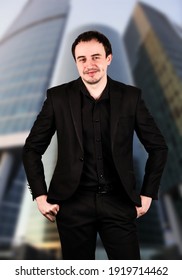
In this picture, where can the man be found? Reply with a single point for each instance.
(93, 186)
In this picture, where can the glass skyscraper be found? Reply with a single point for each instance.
(153, 45)
(28, 53)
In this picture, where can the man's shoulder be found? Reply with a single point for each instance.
(63, 87)
(123, 86)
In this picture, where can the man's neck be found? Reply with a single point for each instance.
(96, 90)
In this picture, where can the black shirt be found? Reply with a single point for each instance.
(98, 168)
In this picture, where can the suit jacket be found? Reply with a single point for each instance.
(61, 112)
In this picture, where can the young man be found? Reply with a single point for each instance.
(93, 186)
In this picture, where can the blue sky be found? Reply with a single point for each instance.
(84, 11)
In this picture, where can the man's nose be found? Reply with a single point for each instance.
(89, 63)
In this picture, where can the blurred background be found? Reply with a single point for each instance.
(35, 42)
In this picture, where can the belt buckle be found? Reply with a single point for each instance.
(104, 189)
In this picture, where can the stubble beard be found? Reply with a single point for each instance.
(92, 82)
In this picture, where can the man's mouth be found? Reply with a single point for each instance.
(91, 72)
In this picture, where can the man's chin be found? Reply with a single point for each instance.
(92, 81)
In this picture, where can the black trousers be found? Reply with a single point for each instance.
(87, 213)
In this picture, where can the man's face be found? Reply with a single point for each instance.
(91, 61)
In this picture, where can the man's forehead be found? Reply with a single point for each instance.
(91, 47)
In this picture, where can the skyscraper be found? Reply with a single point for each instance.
(153, 45)
(28, 52)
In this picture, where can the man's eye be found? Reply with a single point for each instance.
(82, 60)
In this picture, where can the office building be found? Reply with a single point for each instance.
(28, 52)
(153, 44)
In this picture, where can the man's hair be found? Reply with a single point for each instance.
(92, 35)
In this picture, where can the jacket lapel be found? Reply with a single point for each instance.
(75, 105)
(115, 107)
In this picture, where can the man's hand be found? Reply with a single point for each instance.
(48, 210)
(146, 202)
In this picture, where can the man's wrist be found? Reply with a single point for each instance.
(42, 197)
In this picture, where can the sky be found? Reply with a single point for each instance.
(85, 11)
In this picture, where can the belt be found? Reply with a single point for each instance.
(100, 189)
(104, 189)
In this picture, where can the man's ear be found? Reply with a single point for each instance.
(109, 59)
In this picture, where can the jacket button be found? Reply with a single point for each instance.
(81, 158)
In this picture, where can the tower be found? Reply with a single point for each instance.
(153, 45)
(28, 52)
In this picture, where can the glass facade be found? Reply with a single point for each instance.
(27, 57)
(28, 53)
(156, 63)
(9, 208)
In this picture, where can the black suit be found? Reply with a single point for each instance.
(61, 112)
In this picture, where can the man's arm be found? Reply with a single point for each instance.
(35, 146)
(155, 145)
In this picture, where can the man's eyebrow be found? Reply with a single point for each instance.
(81, 56)
(96, 54)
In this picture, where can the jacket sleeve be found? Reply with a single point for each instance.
(35, 146)
(155, 145)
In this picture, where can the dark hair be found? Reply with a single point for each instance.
(90, 35)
